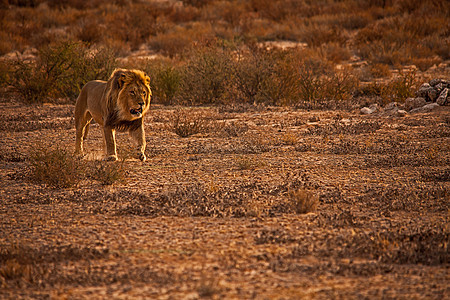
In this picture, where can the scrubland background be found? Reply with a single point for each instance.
(297, 53)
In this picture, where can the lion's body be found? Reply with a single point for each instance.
(117, 104)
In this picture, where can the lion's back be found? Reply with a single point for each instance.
(91, 99)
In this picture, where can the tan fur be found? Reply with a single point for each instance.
(117, 104)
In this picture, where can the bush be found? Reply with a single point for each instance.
(165, 80)
(398, 89)
(55, 167)
(251, 73)
(185, 124)
(206, 76)
(60, 70)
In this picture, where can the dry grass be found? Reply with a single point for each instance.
(58, 168)
(186, 123)
(55, 167)
(303, 201)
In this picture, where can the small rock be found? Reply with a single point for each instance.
(395, 112)
(440, 87)
(443, 97)
(370, 110)
(425, 108)
(423, 90)
(391, 106)
(436, 81)
(432, 94)
(366, 111)
(401, 113)
(412, 103)
(374, 107)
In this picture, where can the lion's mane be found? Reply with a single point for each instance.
(116, 101)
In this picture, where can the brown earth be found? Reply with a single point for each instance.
(214, 215)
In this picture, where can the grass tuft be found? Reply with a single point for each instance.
(303, 201)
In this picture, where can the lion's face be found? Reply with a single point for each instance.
(134, 96)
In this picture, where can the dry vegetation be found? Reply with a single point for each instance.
(267, 184)
(228, 51)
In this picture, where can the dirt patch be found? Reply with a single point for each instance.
(215, 214)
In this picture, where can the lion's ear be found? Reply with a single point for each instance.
(147, 79)
(121, 80)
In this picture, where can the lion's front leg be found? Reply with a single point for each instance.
(139, 136)
(110, 141)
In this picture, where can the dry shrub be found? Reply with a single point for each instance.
(206, 76)
(107, 173)
(424, 64)
(252, 71)
(185, 123)
(58, 168)
(247, 163)
(179, 39)
(303, 201)
(190, 200)
(335, 52)
(397, 89)
(60, 70)
(55, 167)
(165, 80)
(380, 70)
(317, 34)
(89, 31)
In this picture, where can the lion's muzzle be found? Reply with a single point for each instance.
(137, 112)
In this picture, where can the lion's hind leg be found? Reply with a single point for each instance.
(82, 129)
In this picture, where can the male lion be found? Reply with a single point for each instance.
(118, 104)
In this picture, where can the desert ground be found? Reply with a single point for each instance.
(261, 203)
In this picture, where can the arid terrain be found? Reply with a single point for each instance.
(296, 149)
(220, 214)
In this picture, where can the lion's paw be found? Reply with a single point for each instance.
(111, 158)
(142, 157)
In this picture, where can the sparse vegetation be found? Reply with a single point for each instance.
(58, 168)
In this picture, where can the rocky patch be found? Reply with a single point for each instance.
(430, 96)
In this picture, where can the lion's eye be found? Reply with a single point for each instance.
(132, 93)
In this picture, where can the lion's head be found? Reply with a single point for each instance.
(128, 96)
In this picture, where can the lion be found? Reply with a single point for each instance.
(117, 104)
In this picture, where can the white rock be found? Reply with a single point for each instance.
(366, 111)
(401, 113)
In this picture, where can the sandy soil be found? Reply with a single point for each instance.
(213, 215)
